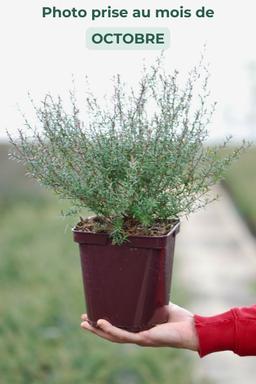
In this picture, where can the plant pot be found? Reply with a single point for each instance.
(127, 284)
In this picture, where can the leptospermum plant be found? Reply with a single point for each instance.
(139, 162)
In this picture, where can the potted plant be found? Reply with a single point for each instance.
(138, 164)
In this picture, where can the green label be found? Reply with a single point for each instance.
(128, 38)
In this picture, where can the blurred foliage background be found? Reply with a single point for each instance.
(241, 184)
(42, 300)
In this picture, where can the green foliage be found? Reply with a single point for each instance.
(142, 156)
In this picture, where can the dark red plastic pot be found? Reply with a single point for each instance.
(126, 284)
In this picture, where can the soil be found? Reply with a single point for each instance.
(97, 224)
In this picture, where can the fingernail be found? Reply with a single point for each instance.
(100, 323)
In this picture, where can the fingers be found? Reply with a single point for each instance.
(87, 326)
(109, 332)
(119, 335)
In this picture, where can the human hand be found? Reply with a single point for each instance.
(178, 332)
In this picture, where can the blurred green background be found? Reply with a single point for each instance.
(241, 185)
(42, 300)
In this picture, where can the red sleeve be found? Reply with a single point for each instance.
(234, 330)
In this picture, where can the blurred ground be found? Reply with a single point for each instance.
(218, 267)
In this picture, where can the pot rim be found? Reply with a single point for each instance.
(174, 229)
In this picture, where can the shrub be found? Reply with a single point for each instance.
(139, 162)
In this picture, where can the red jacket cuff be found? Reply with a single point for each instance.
(245, 327)
(215, 333)
(234, 330)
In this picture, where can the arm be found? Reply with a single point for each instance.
(234, 330)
